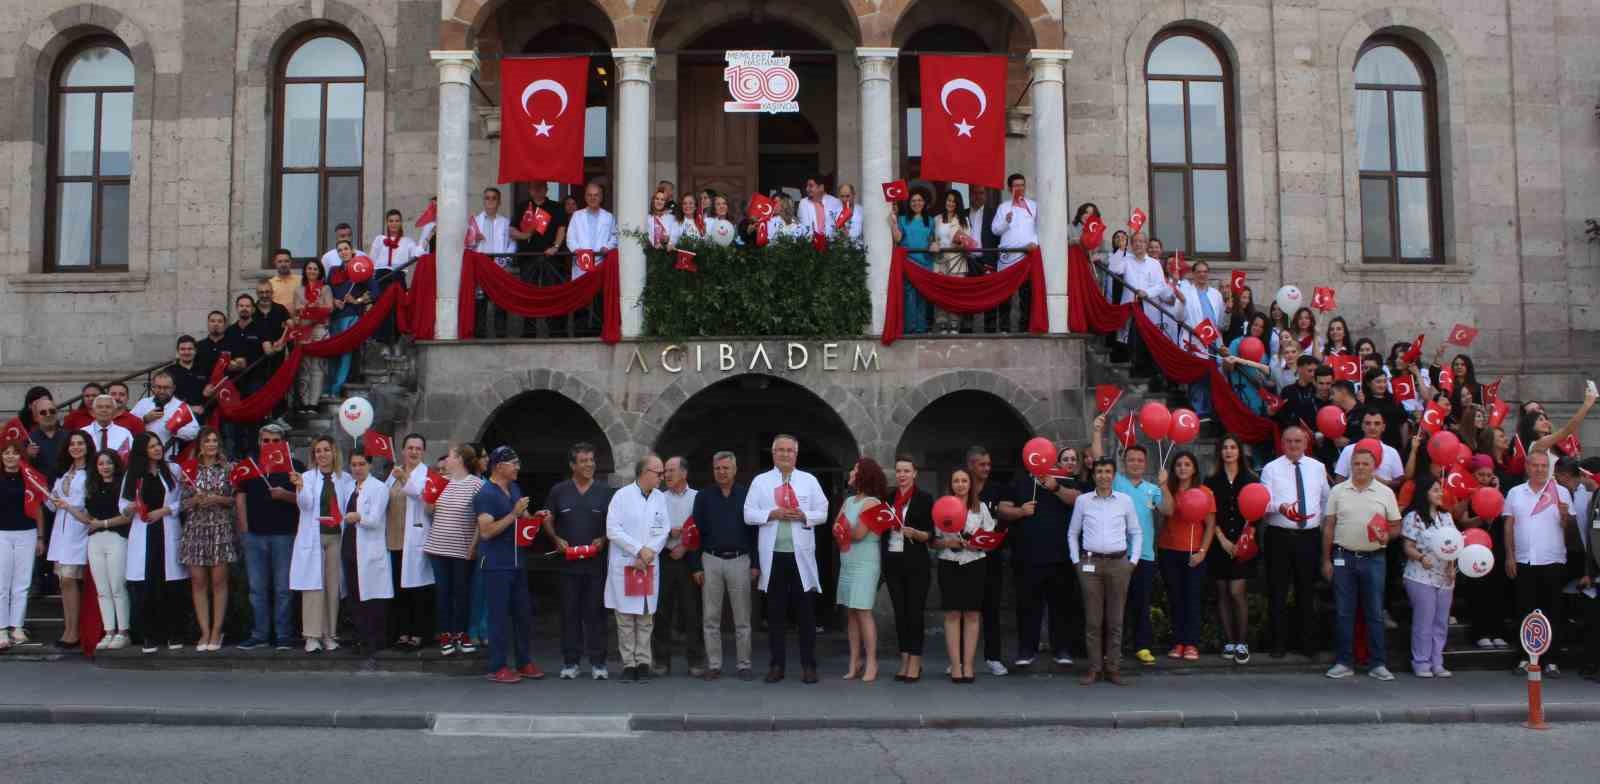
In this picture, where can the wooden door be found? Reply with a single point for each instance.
(716, 149)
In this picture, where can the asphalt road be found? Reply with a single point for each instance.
(1459, 754)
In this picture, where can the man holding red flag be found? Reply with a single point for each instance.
(164, 414)
(1538, 514)
(543, 102)
(963, 118)
(591, 233)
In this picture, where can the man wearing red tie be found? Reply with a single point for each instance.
(1014, 223)
(105, 433)
(819, 212)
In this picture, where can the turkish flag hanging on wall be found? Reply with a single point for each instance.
(542, 106)
(963, 118)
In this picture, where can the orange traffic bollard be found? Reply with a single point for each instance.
(1535, 699)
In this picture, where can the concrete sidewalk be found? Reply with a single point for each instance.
(76, 692)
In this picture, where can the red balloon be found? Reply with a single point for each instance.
(1185, 426)
(1487, 504)
(1463, 455)
(1477, 535)
(1442, 448)
(1331, 422)
(360, 269)
(1374, 446)
(949, 514)
(1039, 456)
(1254, 498)
(1154, 420)
(1193, 505)
(1252, 349)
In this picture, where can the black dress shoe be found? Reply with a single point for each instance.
(629, 675)
(808, 675)
(1278, 653)
(774, 675)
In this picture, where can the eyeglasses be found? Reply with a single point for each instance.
(271, 440)
(46, 412)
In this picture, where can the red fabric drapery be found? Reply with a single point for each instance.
(1088, 311)
(352, 338)
(417, 316)
(259, 405)
(478, 271)
(962, 294)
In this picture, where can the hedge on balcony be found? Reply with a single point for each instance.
(786, 288)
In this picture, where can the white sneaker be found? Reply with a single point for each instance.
(1227, 650)
(1485, 644)
(330, 644)
(104, 644)
(1421, 673)
(313, 645)
(995, 667)
(1388, 621)
(599, 673)
(1443, 673)
(1380, 673)
(174, 646)
(1063, 661)
(1501, 644)
(569, 673)
(1026, 661)
(119, 641)
(1339, 671)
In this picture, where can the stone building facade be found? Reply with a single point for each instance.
(1511, 93)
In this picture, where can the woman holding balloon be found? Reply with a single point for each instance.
(1241, 360)
(959, 516)
(1432, 545)
(1480, 522)
(1190, 512)
(1241, 502)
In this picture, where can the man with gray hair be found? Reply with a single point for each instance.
(787, 504)
(680, 597)
(104, 432)
(722, 564)
(636, 527)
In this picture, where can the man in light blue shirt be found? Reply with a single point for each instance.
(1146, 499)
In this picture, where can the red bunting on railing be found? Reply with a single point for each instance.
(960, 294)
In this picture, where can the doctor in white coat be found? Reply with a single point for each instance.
(788, 551)
(413, 600)
(636, 526)
(1199, 302)
(154, 538)
(322, 493)
(69, 538)
(364, 551)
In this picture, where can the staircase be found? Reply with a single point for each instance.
(388, 382)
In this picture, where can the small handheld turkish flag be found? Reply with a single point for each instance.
(1271, 400)
(433, 487)
(762, 236)
(540, 222)
(1462, 335)
(429, 215)
(1570, 446)
(1322, 299)
(1247, 547)
(376, 444)
(474, 234)
(986, 540)
(690, 538)
(1236, 281)
(761, 207)
(1378, 528)
(585, 260)
(1548, 497)
(1136, 221)
(179, 418)
(1207, 333)
(528, 529)
(783, 496)
(525, 222)
(1447, 380)
(880, 519)
(1106, 396)
(1124, 429)
(1413, 353)
(227, 394)
(639, 582)
(896, 191)
(15, 431)
(1491, 392)
(275, 457)
(1094, 231)
(1498, 409)
(243, 471)
(841, 533)
(1404, 388)
(1433, 417)
(1345, 367)
(191, 470)
(1180, 268)
(1460, 483)
(686, 261)
(219, 368)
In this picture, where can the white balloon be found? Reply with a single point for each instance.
(1475, 560)
(1444, 543)
(1289, 300)
(355, 416)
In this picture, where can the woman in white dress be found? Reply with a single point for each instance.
(952, 238)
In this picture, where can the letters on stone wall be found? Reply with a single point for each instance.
(791, 356)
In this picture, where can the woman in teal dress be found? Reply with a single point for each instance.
(1244, 379)
(859, 567)
(914, 230)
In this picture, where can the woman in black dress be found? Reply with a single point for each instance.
(961, 578)
(906, 569)
(1232, 474)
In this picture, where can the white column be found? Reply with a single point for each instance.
(1049, 184)
(455, 123)
(633, 175)
(877, 167)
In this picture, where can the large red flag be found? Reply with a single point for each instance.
(963, 118)
(542, 102)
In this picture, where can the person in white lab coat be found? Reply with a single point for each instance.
(788, 551)
(636, 526)
(592, 228)
(152, 484)
(69, 537)
(409, 570)
(365, 555)
(322, 494)
(1148, 284)
(1201, 302)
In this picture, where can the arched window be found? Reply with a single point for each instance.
(1193, 190)
(91, 157)
(321, 100)
(1396, 139)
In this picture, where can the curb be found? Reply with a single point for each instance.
(674, 722)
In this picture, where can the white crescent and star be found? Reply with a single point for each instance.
(963, 128)
(542, 128)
